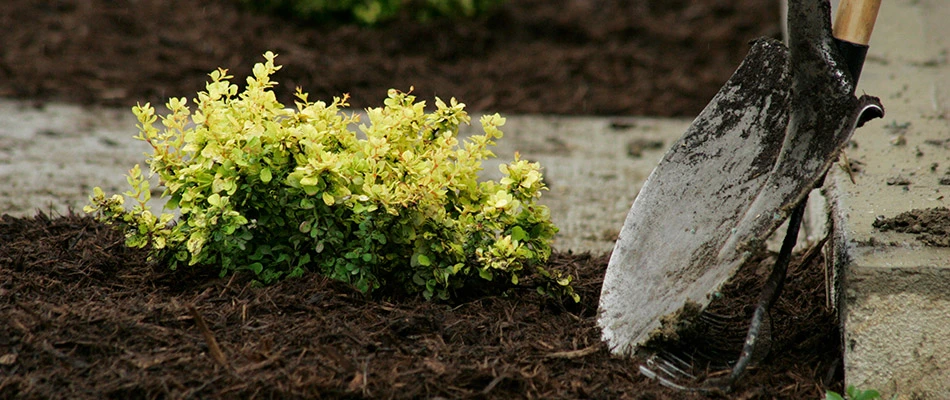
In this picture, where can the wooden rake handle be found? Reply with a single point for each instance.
(855, 20)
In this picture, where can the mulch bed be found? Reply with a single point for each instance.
(615, 57)
(85, 317)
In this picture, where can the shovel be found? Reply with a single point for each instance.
(744, 166)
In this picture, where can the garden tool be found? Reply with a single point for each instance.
(744, 166)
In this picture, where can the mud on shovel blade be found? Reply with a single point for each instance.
(731, 180)
(668, 252)
(824, 114)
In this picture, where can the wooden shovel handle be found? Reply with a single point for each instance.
(855, 20)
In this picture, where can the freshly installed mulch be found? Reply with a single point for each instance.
(86, 317)
(617, 57)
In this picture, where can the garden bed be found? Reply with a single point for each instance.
(89, 318)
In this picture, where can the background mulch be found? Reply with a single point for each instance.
(618, 57)
(85, 317)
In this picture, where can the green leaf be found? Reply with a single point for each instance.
(257, 268)
(518, 234)
(418, 279)
(266, 175)
(829, 395)
(424, 260)
(857, 394)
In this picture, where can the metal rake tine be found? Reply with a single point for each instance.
(717, 357)
(675, 366)
(662, 379)
(664, 371)
(719, 320)
(728, 341)
(722, 335)
(723, 326)
(666, 368)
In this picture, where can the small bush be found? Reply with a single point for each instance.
(277, 191)
(371, 12)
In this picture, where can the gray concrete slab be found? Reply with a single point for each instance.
(52, 155)
(594, 168)
(895, 303)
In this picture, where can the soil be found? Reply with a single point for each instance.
(87, 317)
(931, 226)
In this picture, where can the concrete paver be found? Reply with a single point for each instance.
(52, 155)
(895, 302)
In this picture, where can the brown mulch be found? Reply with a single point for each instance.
(610, 57)
(81, 316)
(86, 317)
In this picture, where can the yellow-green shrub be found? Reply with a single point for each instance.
(277, 191)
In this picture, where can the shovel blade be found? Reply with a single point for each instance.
(763, 142)
(687, 207)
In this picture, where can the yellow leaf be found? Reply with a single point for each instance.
(214, 199)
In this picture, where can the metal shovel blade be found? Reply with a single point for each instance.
(763, 142)
(686, 209)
